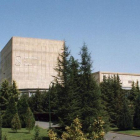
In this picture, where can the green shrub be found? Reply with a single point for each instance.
(30, 121)
(15, 123)
(74, 131)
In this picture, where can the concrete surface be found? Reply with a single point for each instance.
(30, 62)
(115, 136)
(45, 125)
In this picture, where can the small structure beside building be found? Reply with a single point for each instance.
(126, 78)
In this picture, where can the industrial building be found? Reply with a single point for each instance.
(30, 62)
(126, 78)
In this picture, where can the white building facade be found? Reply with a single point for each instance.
(126, 78)
(30, 62)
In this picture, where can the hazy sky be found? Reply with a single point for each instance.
(110, 28)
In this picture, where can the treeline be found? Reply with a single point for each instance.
(14, 111)
(75, 93)
(122, 105)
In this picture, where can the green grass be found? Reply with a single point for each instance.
(133, 132)
(23, 134)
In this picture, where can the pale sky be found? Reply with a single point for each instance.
(110, 28)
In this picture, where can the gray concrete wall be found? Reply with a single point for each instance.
(30, 62)
(34, 61)
(6, 63)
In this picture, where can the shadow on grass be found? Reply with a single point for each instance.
(117, 129)
(19, 132)
(45, 138)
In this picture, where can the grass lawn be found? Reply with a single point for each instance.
(133, 132)
(23, 134)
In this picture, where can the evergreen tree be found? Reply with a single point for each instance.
(45, 101)
(73, 91)
(133, 94)
(112, 97)
(124, 120)
(62, 68)
(107, 96)
(15, 91)
(90, 93)
(0, 126)
(32, 102)
(37, 131)
(136, 118)
(15, 123)
(62, 86)
(133, 97)
(22, 106)
(137, 87)
(67, 88)
(52, 93)
(38, 101)
(4, 95)
(118, 97)
(10, 112)
(30, 121)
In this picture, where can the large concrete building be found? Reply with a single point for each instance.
(126, 78)
(30, 62)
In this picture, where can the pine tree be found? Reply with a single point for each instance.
(10, 112)
(62, 68)
(132, 97)
(62, 86)
(32, 103)
(52, 93)
(90, 93)
(73, 91)
(15, 123)
(4, 95)
(107, 96)
(14, 90)
(22, 106)
(45, 101)
(37, 132)
(112, 97)
(30, 121)
(67, 88)
(133, 93)
(124, 120)
(118, 97)
(38, 101)
(137, 87)
(0, 126)
(136, 118)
